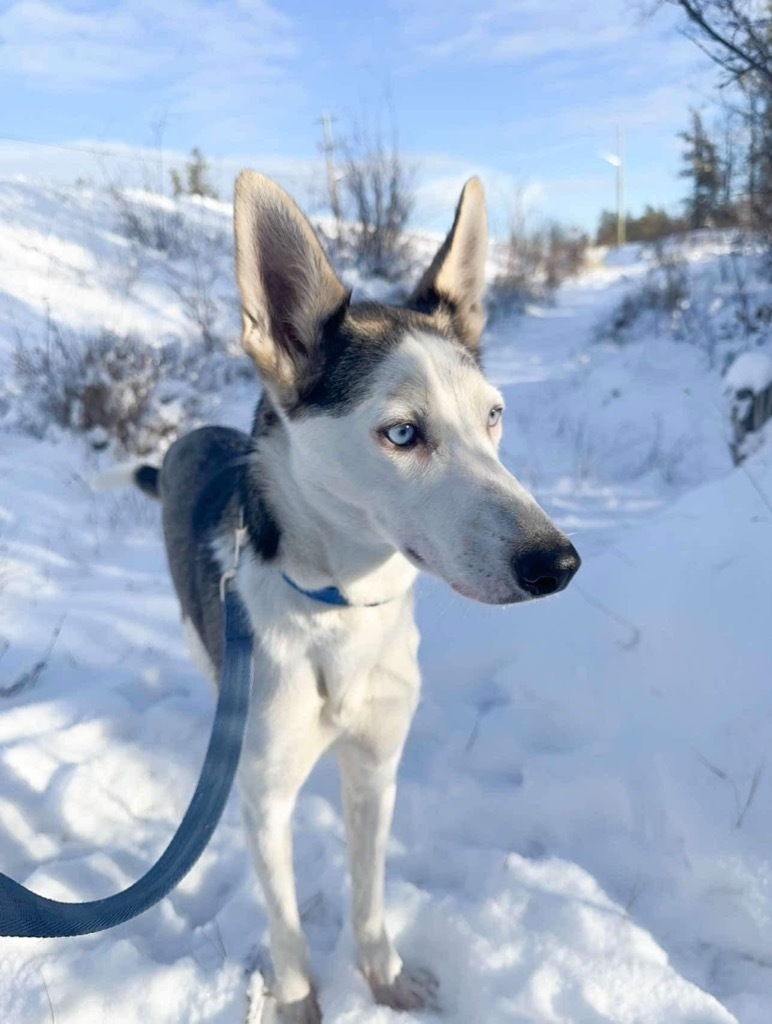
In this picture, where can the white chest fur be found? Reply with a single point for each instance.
(354, 669)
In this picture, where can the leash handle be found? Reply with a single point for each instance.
(25, 913)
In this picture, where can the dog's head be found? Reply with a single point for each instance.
(386, 409)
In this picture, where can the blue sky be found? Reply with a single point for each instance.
(526, 93)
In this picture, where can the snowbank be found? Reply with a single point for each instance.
(751, 371)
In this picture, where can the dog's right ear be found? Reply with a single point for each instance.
(288, 288)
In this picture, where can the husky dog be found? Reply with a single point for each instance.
(372, 457)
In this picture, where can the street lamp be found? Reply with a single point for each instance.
(615, 159)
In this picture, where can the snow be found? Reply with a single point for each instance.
(583, 827)
(751, 371)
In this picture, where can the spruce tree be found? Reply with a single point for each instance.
(702, 168)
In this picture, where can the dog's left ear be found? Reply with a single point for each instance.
(453, 285)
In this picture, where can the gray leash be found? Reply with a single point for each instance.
(25, 913)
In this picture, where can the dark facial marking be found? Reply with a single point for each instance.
(442, 309)
(350, 350)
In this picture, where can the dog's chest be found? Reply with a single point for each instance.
(359, 664)
(364, 662)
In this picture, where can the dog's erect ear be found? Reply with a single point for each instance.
(453, 284)
(288, 288)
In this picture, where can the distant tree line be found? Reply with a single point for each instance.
(654, 223)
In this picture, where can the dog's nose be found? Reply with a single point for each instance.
(546, 570)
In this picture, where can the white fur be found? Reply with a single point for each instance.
(121, 475)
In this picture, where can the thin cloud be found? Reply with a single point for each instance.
(489, 46)
(47, 43)
(661, 107)
(468, 33)
(196, 56)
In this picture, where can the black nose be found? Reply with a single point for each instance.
(546, 569)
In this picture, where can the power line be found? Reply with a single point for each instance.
(87, 150)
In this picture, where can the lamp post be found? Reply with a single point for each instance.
(328, 148)
(616, 160)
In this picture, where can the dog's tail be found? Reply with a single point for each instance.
(144, 476)
(148, 479)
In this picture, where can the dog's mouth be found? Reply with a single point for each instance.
(513, 596)
(412, 555)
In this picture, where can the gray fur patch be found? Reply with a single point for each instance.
(206, 478)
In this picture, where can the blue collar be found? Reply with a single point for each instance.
(330, 595)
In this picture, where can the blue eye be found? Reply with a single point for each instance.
(494, 416)
(402, 434)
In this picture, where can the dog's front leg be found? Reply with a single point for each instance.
(269, 827)
(283, 744)
(369, 790)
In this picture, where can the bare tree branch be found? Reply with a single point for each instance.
(744, 43)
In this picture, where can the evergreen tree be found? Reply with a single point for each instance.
(196, 182)
(703, 169)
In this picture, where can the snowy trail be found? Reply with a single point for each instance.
(602, 434)
(582, 829)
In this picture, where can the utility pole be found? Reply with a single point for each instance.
(328, 148)
(617, 161)
(620, 165)
(158, 130)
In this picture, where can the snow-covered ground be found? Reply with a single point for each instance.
(583, 830)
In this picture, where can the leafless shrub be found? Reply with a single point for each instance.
(721, 308)
(105, 385)
(670, 279)
(378, 196)
(536, 263)
(566, 254)
(195, 267)
(753, 315)
(195, 282)
(152, 227)
(664, 293)
(522, 280)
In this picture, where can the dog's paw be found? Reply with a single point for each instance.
(304, 1011)
(414, 988)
